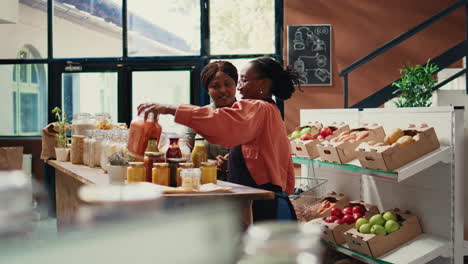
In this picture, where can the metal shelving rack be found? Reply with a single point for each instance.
(432, 187)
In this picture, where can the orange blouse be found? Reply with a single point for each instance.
(254, 124)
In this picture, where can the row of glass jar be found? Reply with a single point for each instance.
(82, 122)
(171, 173)
(99, 145)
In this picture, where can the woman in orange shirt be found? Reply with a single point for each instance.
(254, 131)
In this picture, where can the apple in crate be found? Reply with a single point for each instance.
(389, 216)
(356, 216)
(336, 212)
(378, 230)
(358, 210)
(348, 210)
(365, 228)
(360, 222)
(325, 132)
(330, 219)
(340, 221)
(391, 226)
(349, 219)
(377, 220)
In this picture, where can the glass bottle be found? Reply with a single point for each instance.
(86, 147)
(149, 160)
(97, 148)
(173, 151)
(186, 176)
(102, 121)
(152, 145)
(208, 172)
(105, 144)
(199, 153)
(173, 165)
(136, 172)
(91, 144)
(184, 147)
(140, 132)
(196, 178)
(182, 166)
(160, 173)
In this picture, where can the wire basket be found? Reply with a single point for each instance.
(308, 192)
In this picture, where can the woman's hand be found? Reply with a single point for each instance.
(221, 162)
(156, 109)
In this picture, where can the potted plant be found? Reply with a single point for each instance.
(62, 152)
(117, 168)
(416, 85)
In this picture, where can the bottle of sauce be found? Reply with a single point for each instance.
(140, 132)
(173, 151)
(149, 160)
(152, 145)
(199, 153)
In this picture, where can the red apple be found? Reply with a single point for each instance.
(356, 216)
(326, 131)
(348, 210)
(320, 137)
(339, 221)
(349, 219)
(336, 212)
(330, 219)
(306, 136)
(314, 136)
(358, 209)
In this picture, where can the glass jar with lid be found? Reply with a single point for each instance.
(149, 160)
(86, 148)
(173, 151)
(105, 144)
(209, 172)
(136, 172)
(173, 165)
(81, 123)
(102, 121)
(186, 165)
(160, 173)
(96, 146)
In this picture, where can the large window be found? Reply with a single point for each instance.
(107, 57)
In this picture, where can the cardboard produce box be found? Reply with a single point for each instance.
(297, 147)
(342, 148)
(308, 211)
(391, 157)
(334, 232)
(308, 148)
(378, 245)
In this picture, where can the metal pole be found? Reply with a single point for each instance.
(345, 91)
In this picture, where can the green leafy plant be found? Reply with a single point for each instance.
(416, 85)
(61, 137)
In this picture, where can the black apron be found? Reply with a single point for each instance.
(279, 208)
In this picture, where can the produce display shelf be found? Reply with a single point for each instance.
(442, 154)
(422, 249)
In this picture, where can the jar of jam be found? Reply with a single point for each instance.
(149, 160)
(140, 132)
(136, 172)
(208, 172)
(182, 166)
(160, 173)
(173, 165)
(173, 151)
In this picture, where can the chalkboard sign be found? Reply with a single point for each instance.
(309, 53)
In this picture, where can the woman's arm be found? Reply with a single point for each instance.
(228, 127)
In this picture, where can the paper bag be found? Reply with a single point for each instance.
(48, 141)
(11, 158)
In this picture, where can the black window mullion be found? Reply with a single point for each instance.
(124, 29)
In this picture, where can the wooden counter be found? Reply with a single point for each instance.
(69, 177)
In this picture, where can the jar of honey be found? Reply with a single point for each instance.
(182, 166)
(136, 172)
(150, 158)
(208, 172)
(160, 174)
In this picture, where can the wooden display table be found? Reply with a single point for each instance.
(69, 177)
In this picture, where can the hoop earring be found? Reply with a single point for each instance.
(261, 91)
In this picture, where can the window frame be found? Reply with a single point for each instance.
(124, 65)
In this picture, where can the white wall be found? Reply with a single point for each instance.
(9, 11)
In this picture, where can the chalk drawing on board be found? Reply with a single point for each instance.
(309, 52)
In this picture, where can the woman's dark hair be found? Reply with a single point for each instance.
(284, 81)
(210, 70)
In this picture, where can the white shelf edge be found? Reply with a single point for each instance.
(440, 155)
(422, 249)
(465, 248)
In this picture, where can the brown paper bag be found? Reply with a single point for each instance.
(48, 141)
(11, 158)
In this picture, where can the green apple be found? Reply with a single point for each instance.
(391, 226)
(378, 230)
(296, 134)
(389, 216)
(305, 130)
(377, 220)
(360, 222)
(365, 228)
